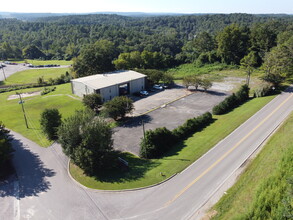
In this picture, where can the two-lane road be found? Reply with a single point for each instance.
(47, 192)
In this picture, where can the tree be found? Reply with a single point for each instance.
(118, 107)
(168, 78)
(206, 84)
(187, 81)
(5, 146)
(32, 52)
(92, 101)
(263, 38)
(50, 121)
(95, 59)
(87, 141)
(233, 43)
(278, 64)
(154, 76)
(128, 61)
(248, 63)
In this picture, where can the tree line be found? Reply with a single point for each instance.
(179, 38)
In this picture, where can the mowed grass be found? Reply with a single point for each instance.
(147, 172)
(241, 198)
(44, 62)
(32, 75)
(12, 116)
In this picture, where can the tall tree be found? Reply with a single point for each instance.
(32, 52)
(95, 59)
(233, 43)
(248, 63)
(278, 64)
(87, 141)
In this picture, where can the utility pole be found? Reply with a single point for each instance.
(3, 72)
(21, 102)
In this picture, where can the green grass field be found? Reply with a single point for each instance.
(191, 69)
(261, 188)
(44, 62)
(12, 116)
(32, 75)
(147, 172)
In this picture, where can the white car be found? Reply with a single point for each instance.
(158, 87)
(144, 93)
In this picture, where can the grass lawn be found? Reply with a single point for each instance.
(44, 62)
(147, 172)
(12, 116)
(241, 198)
(32, 75)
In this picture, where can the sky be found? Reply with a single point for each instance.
(176, 6)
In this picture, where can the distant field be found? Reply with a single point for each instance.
(44, 62)
(12, 116)
(261, 190)
(32, 75)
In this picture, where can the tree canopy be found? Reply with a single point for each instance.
(87, 141)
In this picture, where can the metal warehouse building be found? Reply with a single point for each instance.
(109, 85)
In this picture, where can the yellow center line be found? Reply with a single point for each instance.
(226, 154)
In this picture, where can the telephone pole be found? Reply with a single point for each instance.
(3, 72)
(21, 102)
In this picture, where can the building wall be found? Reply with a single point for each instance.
(81, 89)
(137, 85)
(109, 93)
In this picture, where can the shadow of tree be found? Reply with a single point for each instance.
(31, 172)
(137, 121)
(137, 169)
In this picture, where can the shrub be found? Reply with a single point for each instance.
(156, 143)
(50, 121)
(48, 90)
(233, 101)
(263, 90)
(118, 107)
(159, 141)
(93, 101)
(192, 125)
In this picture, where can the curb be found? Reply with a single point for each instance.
(119, 190)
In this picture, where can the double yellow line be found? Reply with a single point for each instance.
(226, 154)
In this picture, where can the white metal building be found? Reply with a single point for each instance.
(109, 85)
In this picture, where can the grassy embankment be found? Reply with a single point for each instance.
(147, 172)
(12, 116)
(32, 75)
(261, 191)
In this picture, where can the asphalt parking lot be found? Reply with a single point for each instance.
(128, 136)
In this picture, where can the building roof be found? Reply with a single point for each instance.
(109, 79)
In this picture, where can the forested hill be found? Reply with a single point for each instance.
(63, 36)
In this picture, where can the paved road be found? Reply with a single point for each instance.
(47, 192)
